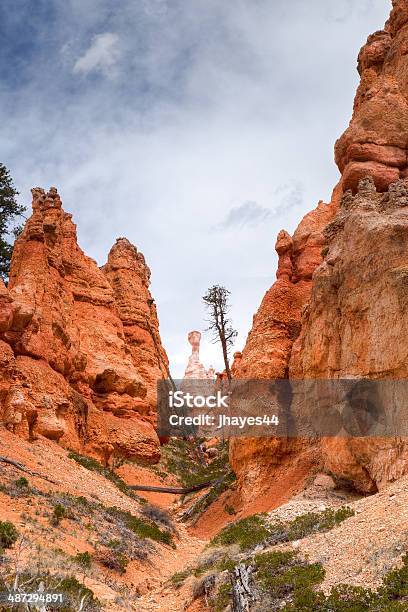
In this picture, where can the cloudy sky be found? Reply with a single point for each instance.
(196, 128)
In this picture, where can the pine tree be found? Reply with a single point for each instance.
(9, 210)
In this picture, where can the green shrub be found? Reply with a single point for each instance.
(8, 534)
(280, 574)
(395, 584)
(114, 559)
(223, 597)
(247, 532)
(59, 512)
(392, 596)
(149, 530)
(77, 592)
(255, 529)
(83, 559)
(179, 578)
(219, 565)
(22, 483)
(182, 458)
(142, 527)
(286, 583)
(313, 522)
(347, 598)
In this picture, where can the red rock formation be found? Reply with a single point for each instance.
(277, 322)
(129, 276)
(355, 323)
(68, 372)
(268, 348)
(375, 142)
(357, 320)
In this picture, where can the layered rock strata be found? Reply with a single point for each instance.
(375, 143)
(356, 323)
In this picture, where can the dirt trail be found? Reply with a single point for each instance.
(162, 596)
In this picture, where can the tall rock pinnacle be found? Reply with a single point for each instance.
(129, 276)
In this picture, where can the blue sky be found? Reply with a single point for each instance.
(197, 129)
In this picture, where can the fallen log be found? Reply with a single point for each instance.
(23, 468)
(176, 490)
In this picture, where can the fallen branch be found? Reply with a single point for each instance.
(196, 507)
(176, 490)
(22, 468)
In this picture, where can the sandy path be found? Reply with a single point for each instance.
(163, 596)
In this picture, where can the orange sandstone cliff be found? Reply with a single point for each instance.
(268, 349)
(80, 347)
(339, 306)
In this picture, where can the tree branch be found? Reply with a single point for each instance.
(22, 468)
(176, 490)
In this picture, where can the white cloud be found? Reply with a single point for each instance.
(248, 214)
(102, 55)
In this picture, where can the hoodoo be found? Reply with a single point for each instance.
(80, 354)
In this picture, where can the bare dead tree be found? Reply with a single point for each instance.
(216, 301)
(242, 592)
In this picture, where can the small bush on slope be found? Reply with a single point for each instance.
(143, 528)
(180, 457)
(158, 515)
(59, 512)
(94, 466)
(247, 532)
(254, 530)
(8, 534)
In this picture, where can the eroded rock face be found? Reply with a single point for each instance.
(277, 323)
(129, 277)
(357, 320)
(69, 372)
(345, 316)
(268, 348)
(375, 142)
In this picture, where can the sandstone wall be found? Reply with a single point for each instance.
(344, 316)
(375, 143)
(357, 321)
(268, 348)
